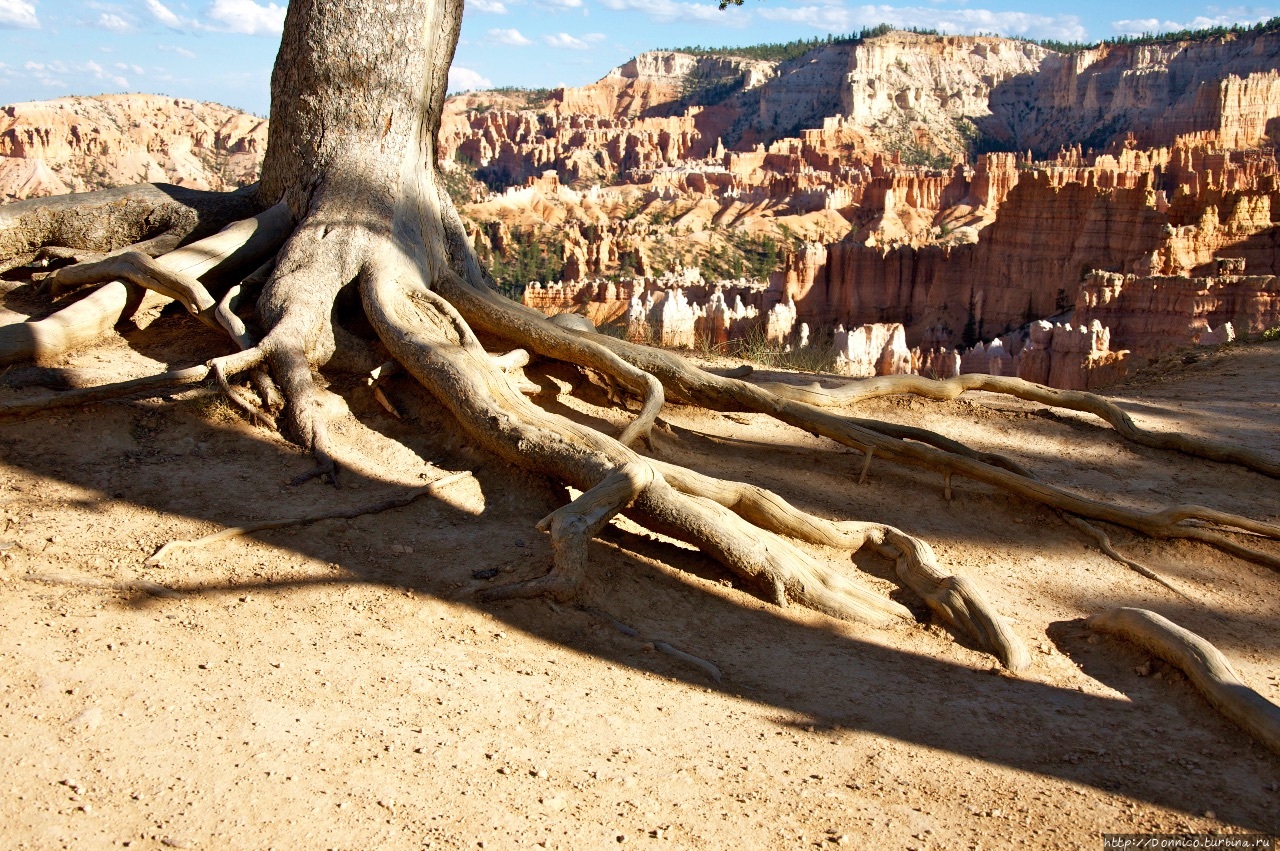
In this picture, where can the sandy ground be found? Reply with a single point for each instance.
(336, 686)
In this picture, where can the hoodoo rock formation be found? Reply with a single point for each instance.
(78, 144)
(850, 179)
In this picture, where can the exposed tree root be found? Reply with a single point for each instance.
(1206, 667)
(240, 244)
(164, 382)
(698, 662)
(1072, 400)
(392, 233)
(1104, 543)
(572, 527)
(172, 547)
(435, 344)
(955, 600)
(357, 172)
(683, 382)
(140, 270)
(105, 220)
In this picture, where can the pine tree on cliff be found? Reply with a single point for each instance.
(350, 202)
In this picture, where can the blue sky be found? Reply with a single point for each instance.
(223, 50)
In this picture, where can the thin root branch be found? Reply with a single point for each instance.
(661, 646)
(344, 514)
(228, 365)
(152, 385)
(1072, 400)
(1104, 543)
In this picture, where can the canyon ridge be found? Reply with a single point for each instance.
(903, 202)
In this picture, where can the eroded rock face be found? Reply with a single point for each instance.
(78, 144)
(846, 170)
(1157, 314)
(1155, 93)
(1058, 221)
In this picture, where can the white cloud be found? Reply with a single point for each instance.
(247, 17)
(564, 41)
(54, 73)
(669, 11)
(113, 22)
(163, 14)
(561, 4)
(136, 69)
(103, 74)
(838, 18)
(18, 13)
(493, 7)
(181, 51)
(508, 36)
(1142, 26)
(464, 79)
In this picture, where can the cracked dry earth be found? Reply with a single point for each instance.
(335, 686)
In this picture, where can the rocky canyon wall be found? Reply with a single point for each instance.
(78, 144)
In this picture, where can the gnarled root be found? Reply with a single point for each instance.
(1072, 400)
(436, 346)
(1206, 667)
(955, 599)
(572, 527)
(243, 243)
(688, 384)
(140, 270)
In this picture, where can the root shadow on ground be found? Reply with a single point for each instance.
(816, 672)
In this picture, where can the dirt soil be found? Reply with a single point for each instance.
(335, 685)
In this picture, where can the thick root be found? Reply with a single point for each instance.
(79, 324)
(1072, 400)
(307, 422)
(433, 342)
(954, 599)
(1206, 667)
(140, 270)
(533, 331)
(105, 220)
